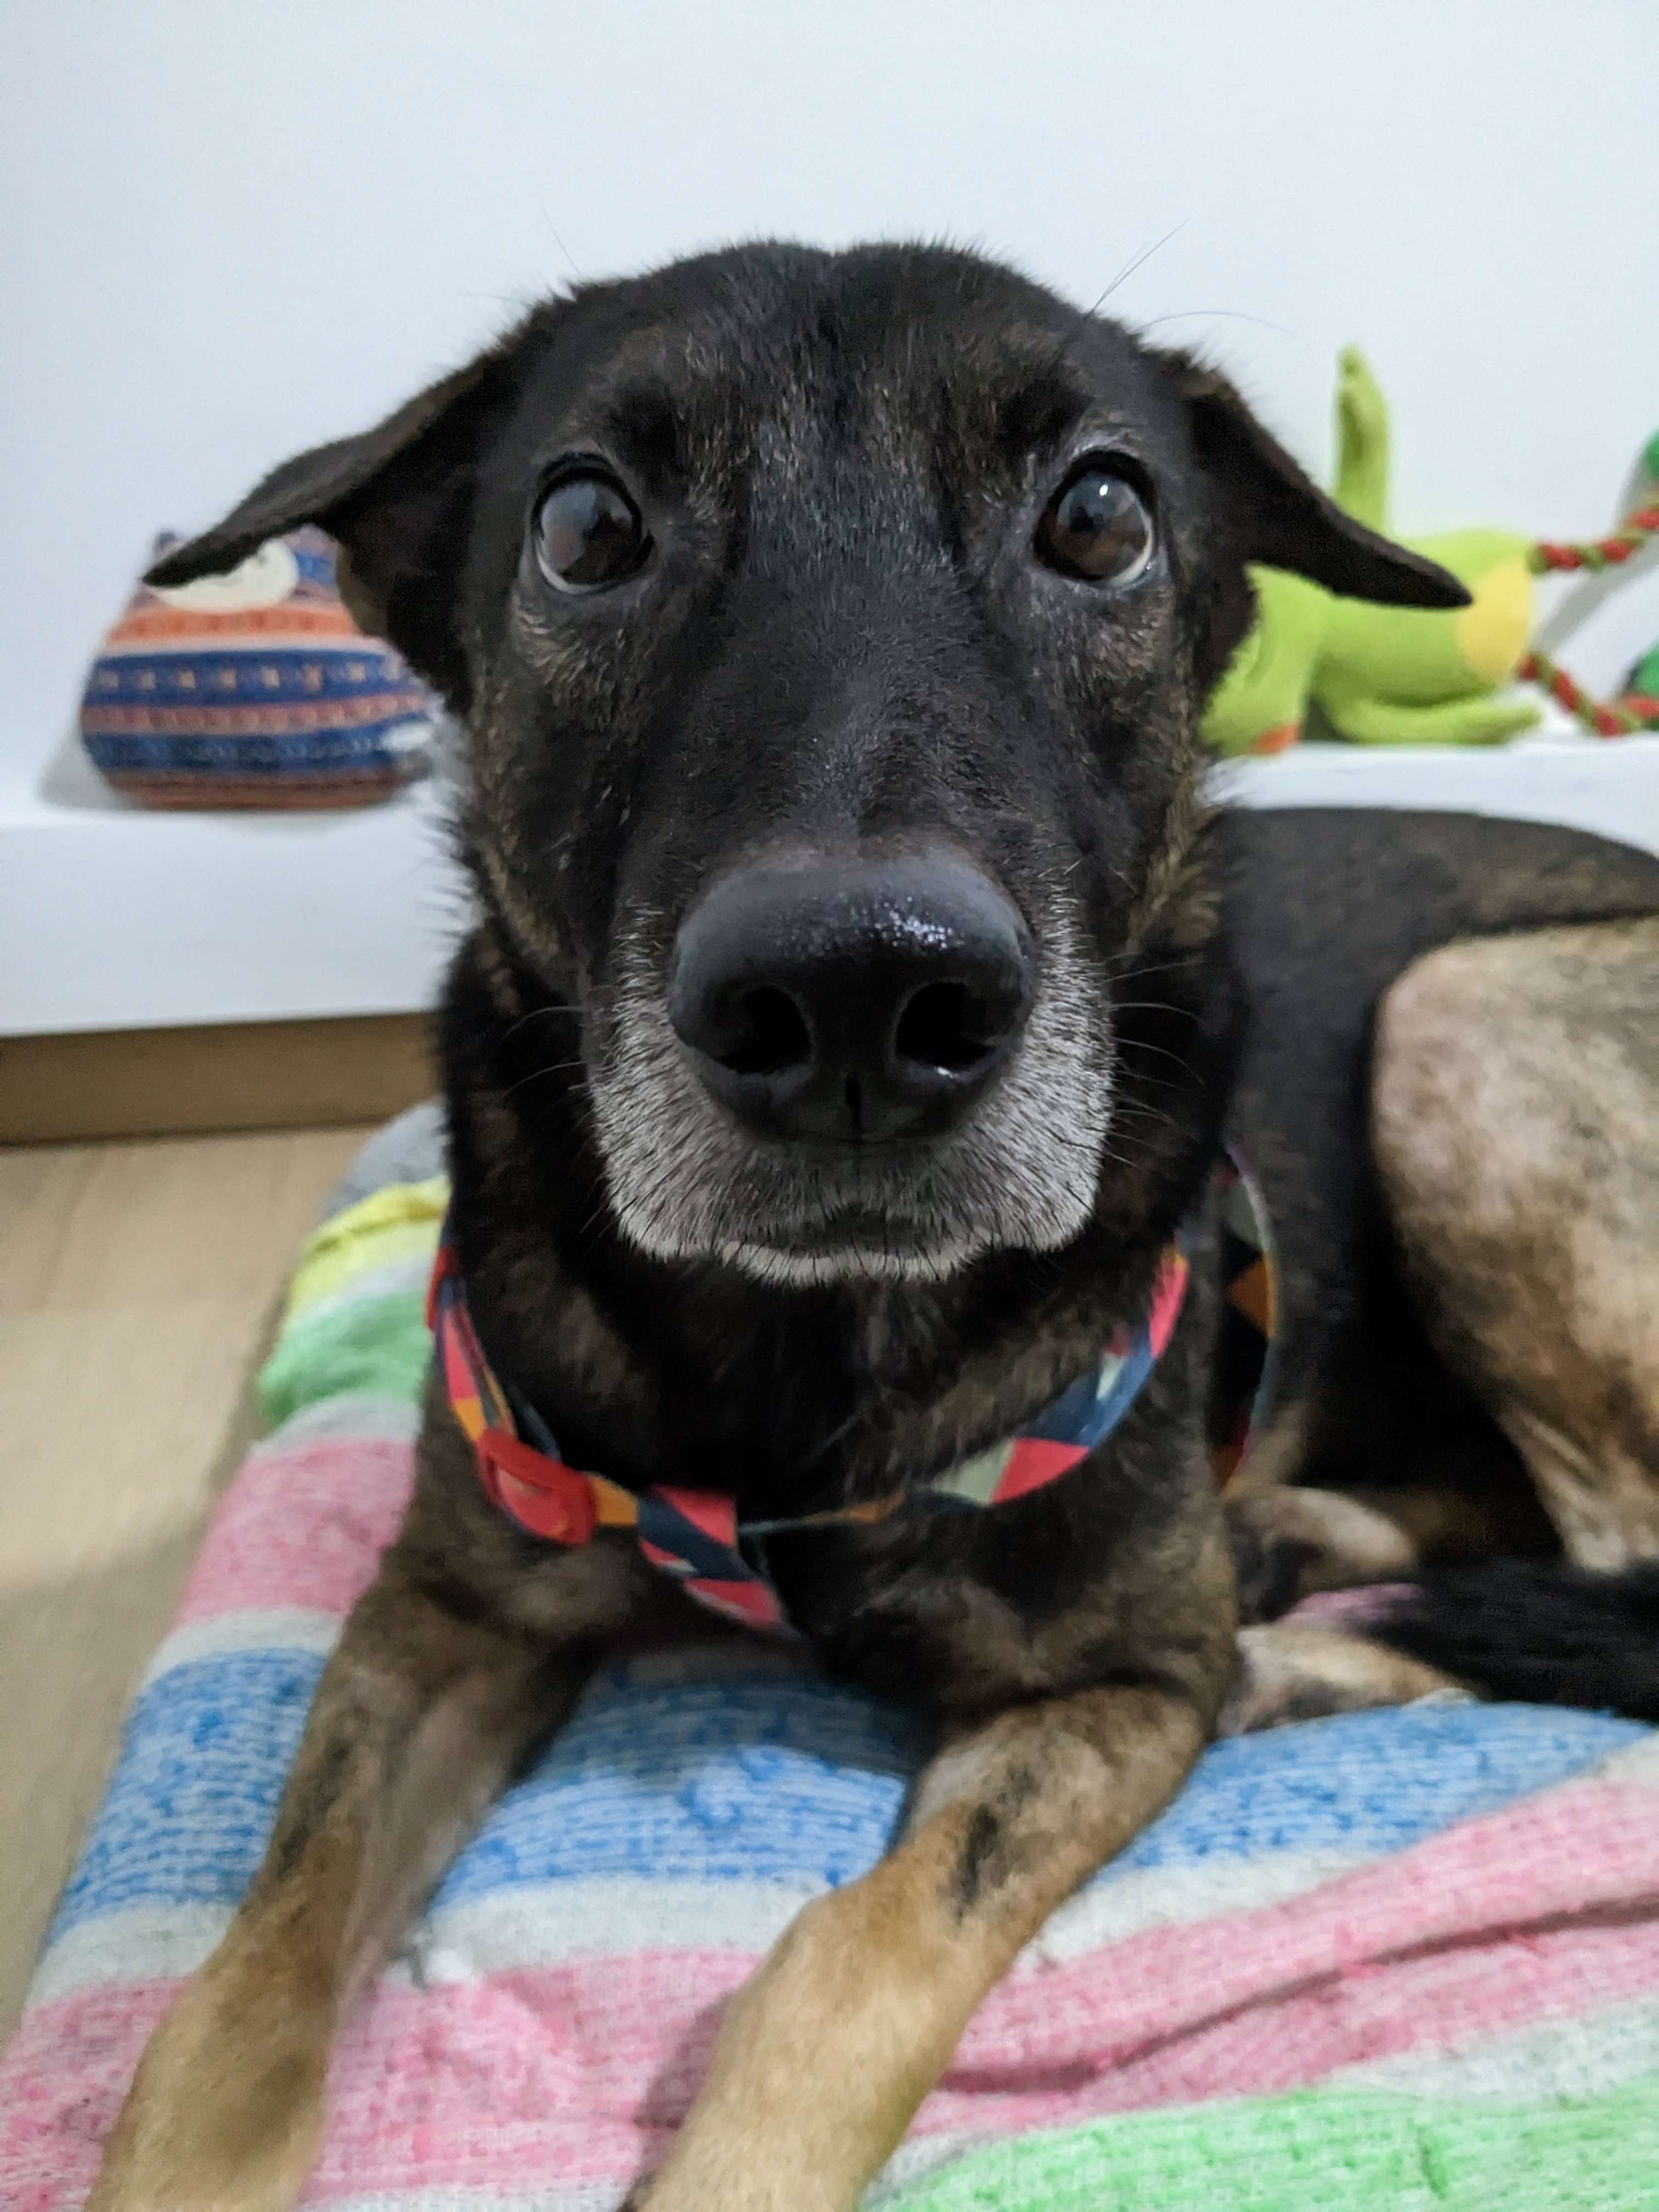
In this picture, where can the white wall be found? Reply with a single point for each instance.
(229, 231)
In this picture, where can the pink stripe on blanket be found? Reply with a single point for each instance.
(302, 1527)
(1441, 2001)
(1584, 1856)
(1547, 1910)
(581, 2073)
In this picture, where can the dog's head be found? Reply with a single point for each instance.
(831, 632)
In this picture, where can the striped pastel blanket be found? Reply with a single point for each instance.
(1408, 1960)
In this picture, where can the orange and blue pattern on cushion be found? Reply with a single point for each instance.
(255, 688)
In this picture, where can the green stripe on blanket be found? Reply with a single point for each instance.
(335, 1338)
(1323, 2148)
(372, 1344)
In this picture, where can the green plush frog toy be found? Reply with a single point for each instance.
(1386, 676)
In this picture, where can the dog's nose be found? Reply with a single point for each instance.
(852, 1001)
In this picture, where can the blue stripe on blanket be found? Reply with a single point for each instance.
(769, 1778)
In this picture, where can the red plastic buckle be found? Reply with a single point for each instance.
(543, 1495)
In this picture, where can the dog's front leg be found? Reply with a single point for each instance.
(420, 1714)
(824, 2056)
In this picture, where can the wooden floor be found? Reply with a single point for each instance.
(137, 1286)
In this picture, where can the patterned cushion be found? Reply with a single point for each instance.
(255, 688)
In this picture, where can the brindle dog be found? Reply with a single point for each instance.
(859, 993)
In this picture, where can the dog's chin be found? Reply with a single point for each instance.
(884, 1252)
(812, 1231)
(848, 1253)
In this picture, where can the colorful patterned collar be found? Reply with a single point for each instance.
(695, 1535)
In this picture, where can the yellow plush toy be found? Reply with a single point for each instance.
(1385, 676)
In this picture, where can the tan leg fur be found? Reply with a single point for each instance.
(417, 1722)
(1515, 1112)
(867, 1994)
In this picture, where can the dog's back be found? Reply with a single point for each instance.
(1324, 909)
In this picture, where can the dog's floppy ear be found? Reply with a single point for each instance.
(1277, 516)
(397, 499)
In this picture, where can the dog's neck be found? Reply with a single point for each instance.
(795, 1400)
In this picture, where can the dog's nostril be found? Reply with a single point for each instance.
(767, 1033)
(947, 1026)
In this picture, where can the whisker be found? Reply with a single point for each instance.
(1226, 314)
(1087, 315)
(536, 1074)
(559, 242)
(536, 1014)
(1158, 968)
(1138, 261)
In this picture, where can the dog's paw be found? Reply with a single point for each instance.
(1292, 1670)
(1289, 1542)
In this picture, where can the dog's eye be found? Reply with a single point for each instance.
(589, 534)
(1096, 527)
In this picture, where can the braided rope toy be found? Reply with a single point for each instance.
(1605, 717)
(1635, 709)
(1597, 553)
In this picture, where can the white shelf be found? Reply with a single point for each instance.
(1610, 785)
(112, 917)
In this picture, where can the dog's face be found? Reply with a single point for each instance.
(831, 633)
